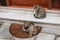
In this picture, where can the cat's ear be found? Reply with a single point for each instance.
(35, 6)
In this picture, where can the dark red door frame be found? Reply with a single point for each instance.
(50, 5)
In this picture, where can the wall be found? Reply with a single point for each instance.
(43, 3)
(29, 2)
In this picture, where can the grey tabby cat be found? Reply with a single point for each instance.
(39, 12)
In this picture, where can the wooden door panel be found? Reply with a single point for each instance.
(21, 2)
(44, 3)
(29, 2)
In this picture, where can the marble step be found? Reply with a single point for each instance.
(51, 31)
(58, 38)
(41, 36)
(45, 36)
(4, 32)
